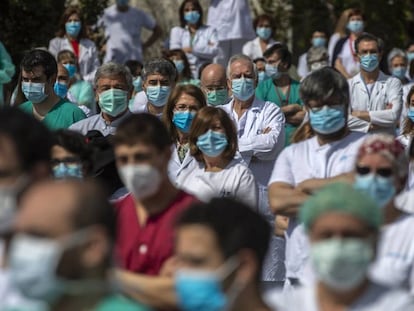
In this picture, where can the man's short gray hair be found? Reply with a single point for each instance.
(161, 66)
(394, 53)
(113, 69)
(240, 57)
(324, 83)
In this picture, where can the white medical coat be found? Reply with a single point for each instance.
(253, 49)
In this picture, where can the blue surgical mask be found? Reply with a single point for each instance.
(410, 56)
(71, 68)
(341, 264)
(212, 143)
(355, 26)
(137, 84)
(34, 92)
(182, 120)
(410, 114)
(61, 89)
(264, 33)
(369, 62)
(261, 76)
(318, 42)
(399, 72)
(272, 71)
(63, 170)
(199, 290)
(113, 101)
(158, 95)
(179, 64)
(192, 17)
(217, 97)
(380, 189)
(73, 28)
(328, 120)
(243, 88)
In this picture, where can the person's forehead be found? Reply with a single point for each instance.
(338, 221)
(318, 34)
(115, 79)
(241, 65)
(196, 240)
(374, 160)
(368, 44)
(214, 77)
(185, 98)
(157, 76)
(47, 208)
(138, 147)
(398, 59)
(37, 71)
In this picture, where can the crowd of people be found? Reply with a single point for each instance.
(219, 176)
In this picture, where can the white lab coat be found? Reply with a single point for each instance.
(175, 167)
(386, 90)
(204, 45)
(88, 55)
(259, 150)
(253, 49)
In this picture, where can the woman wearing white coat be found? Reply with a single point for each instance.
(198, 41)
(181, 107)
(72, 36)
(219, 172)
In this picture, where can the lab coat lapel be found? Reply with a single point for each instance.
(251, 118)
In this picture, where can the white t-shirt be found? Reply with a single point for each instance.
(375, 298)
(395, 254)
(123, 30)
(346, 56)
(236, 181)
(140, 103)
(303, 161)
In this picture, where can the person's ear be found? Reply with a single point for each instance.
(249, 267)
(229, 84)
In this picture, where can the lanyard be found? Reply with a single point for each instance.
(354, 57)
(285, 101)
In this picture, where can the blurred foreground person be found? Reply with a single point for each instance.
(343, 226)
(220, 248)
(64, 259)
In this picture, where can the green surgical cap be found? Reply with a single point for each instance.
(343, 198)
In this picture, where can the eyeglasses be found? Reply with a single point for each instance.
(383, 172)
(185, 107)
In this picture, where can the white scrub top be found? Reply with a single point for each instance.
(204, 45)
(259, 150)
(302, 161)
(88, 55)
(303, 65)
(394, 265)
(253, 49)
(375, 298)
(386, 91)
(235, 181)
(231, 18)
(346, 56)
(123, 30)
(97, 122)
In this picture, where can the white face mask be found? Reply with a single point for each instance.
(33, 262)
(142, 180)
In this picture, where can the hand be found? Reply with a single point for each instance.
(169, 267)
(388, 106)
(266, 130)
(188, 49)
(281, 225)
(309, 186)
(355, 113)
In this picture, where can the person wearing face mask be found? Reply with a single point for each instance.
(179, 113)
(38, 77)
(318, 40)
(79, 92)
(70, 256)
(317, 58)
(113, 88)
(123, 24)
(381, 171)
(219, 172)
(280, 89)
(260, 63)
(142, 149)
(26, 145)
(398, 64)
(72, 35)
(263, 26)
(376, 99)
(344, 57)
(198, 41)
(343, 226)
(179, 58)
(135, 67)
(214, 85)
(70, 156)
(407, 123)
(159, 77)
(304, 167)
(260, 127)
(62, 81)
(220, 259)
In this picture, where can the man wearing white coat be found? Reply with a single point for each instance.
(260, 129)
(376, 99)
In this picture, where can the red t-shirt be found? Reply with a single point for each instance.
(145, 249)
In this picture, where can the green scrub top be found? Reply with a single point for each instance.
(266, 91)
(120, 303)
(61, 116)
(83, 92)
